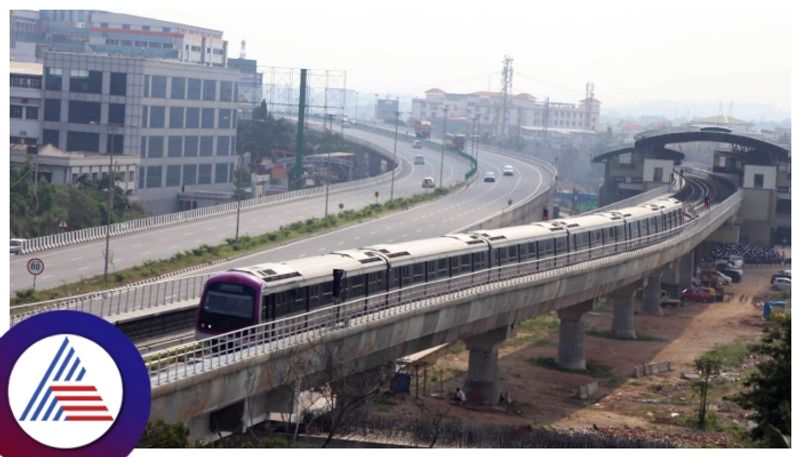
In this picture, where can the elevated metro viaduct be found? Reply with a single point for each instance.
(211, 394)
(762, 169)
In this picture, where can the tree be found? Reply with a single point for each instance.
(770, 395)
(241, 184)
(707, 364)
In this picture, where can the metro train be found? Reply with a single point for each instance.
(243, 297)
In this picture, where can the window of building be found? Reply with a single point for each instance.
(115, 143)
(32, 112)
(84, 112)
(221, 173)
(53, 78)
(176, 117)
(224, 119)
(192, 118)
(206, 145)
(16, 111)
(141, 177)
(194, 89)
(146, 85)
(223, 145)
(126, 43)
(166, 29)
(83, 141)
(143, 147)
(190, 146)
(159, 87)
(189, 174)
(208, 118)
(153, 44)
(204, 173)
(52, 109)
(118, 83)
(145, 27)
(225, 91)
(178, 89)
(233, 145)
(157, 114)
(140, 44)
(116, 113)
(155, 146)
(784, 207)
(50, 136)
(758, 181)
(658, 174)
(209, 89)
(130, 176)
(86, 82)
(174, 146)
(104, 25)
(173, 176)
(145, 113)
(625, 159)
(153, 176)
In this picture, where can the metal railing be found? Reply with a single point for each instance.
(206, 355)
(123, 228)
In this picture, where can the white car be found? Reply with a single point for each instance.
(781, 283)
(508, 170)
(419, 160)
(736, 261)
(428, 183)
(16, 245)
(416, 144)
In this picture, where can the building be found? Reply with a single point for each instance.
(62, 167)
(102, 32)
(251, 81)
(180, 119)
(26, 99)
(526, 114)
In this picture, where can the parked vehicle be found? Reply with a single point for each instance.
(667, 301)
(733, 273)
(781, 274)
(416, 144)
(780, 283)
(428, 183)
(16, 245)
(736, 261)
(700, 294)
(489, 177)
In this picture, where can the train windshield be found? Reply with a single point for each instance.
(228, 303)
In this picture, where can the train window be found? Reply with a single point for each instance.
(418, 272)
(394, 277)
(377, 283)
(561, 245)
(532, 251)
(280, 301)
(264, 309)
(298, 299)
(313, 296)
(479, 260)
(356, 287)
(442, 265)
(512, 253)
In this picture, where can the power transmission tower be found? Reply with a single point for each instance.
(508, 75)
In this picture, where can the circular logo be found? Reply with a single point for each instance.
(81, 387)
(74, 385)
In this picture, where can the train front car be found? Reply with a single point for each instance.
(230, 301)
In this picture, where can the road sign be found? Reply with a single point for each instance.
(36, 266)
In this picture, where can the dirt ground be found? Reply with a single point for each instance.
(658, 406)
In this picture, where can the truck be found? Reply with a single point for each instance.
(422, 129)
(455, 142)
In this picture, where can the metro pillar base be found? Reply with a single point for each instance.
(481, 385)
(571, 336)
(651, 296)
(622, 327)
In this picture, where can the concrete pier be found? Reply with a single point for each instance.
(622, 327)
(482, 386)
(651, 295)
(571, 335)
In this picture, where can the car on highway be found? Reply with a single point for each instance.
(489, 177)
(16, 245)
(699, 294)
(781, 283)
(416, 144)
(419, 160)
(428, 183)
(508, 170)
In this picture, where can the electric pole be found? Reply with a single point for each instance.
(444, 143)
(394, 157)
(301, 119)
(508, 74)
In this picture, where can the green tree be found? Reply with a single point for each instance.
(708, 365)
(163, 435)
(770, 394)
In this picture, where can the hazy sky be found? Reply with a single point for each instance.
(688, 51)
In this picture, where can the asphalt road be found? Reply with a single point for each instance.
(72, 263)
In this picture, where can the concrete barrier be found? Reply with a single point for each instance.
(652, 368)
(587, 391)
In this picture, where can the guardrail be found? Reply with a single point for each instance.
(138, 225)
(206, 355)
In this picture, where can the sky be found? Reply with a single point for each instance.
(693, 52)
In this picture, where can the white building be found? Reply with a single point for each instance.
(103, 32)
(525, 112)
(180, 119)
(26, 98)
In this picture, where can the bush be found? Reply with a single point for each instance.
(163, 435)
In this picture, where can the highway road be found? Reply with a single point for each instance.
(72, 263)
(451, 213)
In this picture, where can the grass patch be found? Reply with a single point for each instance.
(607, 334)
(732, 353)
(593, 369)
(534, 331)
(204, 254)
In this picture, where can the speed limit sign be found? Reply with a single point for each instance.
(35, 267)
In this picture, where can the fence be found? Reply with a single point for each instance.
(210, 354)
(149, 223)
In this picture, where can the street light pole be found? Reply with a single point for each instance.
(394, 157)
(238, 191)
(444, 142)
(110, 202)
(327, 140)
